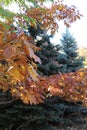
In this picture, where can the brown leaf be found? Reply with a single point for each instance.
(1, 37)
(9, 51)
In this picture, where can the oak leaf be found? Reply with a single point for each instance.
(15, 73)
(9, 51)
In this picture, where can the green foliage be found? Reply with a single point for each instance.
(69, 58)
(6, 13)
(60, 58)
(48, 55)
(7, 2)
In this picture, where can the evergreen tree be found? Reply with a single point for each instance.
(48, 53)
(69, 58)
(49, 57)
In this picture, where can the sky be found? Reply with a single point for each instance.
(79, 28)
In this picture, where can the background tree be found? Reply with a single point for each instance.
(69, 58)
(48, 52)
(49, 57)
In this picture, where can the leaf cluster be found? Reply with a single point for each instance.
(71, 86)
(17, 54)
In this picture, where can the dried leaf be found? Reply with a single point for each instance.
(33, 74)
(9, 51)
(37, 59)
(1, 37)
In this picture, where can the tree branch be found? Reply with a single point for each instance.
(4, 104)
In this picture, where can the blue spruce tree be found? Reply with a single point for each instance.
(69, 58)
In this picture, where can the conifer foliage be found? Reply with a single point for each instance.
(49, 57)
(48, 52)
(69, 58)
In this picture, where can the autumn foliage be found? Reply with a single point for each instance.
(18, 70)
(71, 86)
